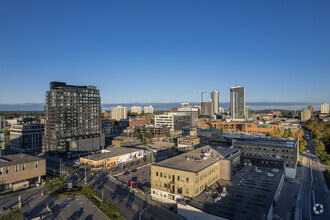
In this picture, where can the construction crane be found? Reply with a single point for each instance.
(201, 92)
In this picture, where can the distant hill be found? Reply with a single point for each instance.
(168, 106)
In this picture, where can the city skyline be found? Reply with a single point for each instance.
(276, 50)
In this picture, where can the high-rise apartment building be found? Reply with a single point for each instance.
(148, 109)
(305, 114)
(215, 101)
(136, 109)
(324, 108)
(248, 112)
(207, 108)
(237, 102)
(118, 113)
(73, 120)
(2, 134)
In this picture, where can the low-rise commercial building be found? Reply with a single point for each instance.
(124, 141)
(19, 171)
(251, 194)
(156, 131)
(133, 122)
(188, 143)
(26, 137)
(188, 174)
(265, 151)
(112, 156)
(165, 120)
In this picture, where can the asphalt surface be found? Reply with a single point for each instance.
(35, 204)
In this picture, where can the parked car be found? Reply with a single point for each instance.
(131, 182)
(126, 172)
(133, 171)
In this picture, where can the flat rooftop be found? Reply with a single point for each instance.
(114, 151)
(193, 161)
(249, 195)
(13, 159)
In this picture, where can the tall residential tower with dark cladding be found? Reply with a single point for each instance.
(73, 120)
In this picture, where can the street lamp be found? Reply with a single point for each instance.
(140, 215)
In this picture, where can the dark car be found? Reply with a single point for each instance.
(133, 171)
(126, 172)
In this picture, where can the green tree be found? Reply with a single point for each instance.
(123, 133)
(223, 129)
(14, 214)
(49, 184)
(7, 132)
(136, 133)
(148, 135)
(88, 191)
(153, 159)
(302, 144)
(60, 182)
(168, 135)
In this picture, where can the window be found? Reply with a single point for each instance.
(178, 178)
(169, 176)
(16, 168)
(171, 197)
(36, 164)
(156, 183)
(156, 173)
(161, 184)
(182, 179)
(1, 171)
(161, 174)
(187, 180)
(164, 175)
(7, 170)
(153, 191)
(187, 190)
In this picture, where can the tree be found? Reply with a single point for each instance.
(7, 132)
(88, 191)
(168, 135)
(49, 184)
(153, 159)
(60, 182)
(302, 144)
(148, 135)
(123, 133)
(223, 129)
(136, 133)
(13, 214)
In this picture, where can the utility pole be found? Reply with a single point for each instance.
(102, 194)
(85, 175)
(60, 166)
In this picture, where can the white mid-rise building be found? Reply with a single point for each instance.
(2, 134)
(136, 109)
(118, 113)
(324, 108)
(148, 109)
(165, 120)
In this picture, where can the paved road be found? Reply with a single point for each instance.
(315, 190)
(129, 202)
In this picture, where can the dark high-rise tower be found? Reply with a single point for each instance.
(237, 102)
(73, 120)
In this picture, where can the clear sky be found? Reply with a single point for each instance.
(163, 50)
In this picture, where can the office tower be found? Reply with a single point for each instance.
(136, 109)
(118, 113)
(324, 108)
(248, 112)
(2, 135)
(148, 109)
(73, 120)
(193, 112)
(237, 102)
(306, 114)
(27, 137)
(215, 101)
(207, 108)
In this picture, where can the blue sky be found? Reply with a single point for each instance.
(162, 51)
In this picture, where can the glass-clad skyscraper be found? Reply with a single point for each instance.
(237, 102)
